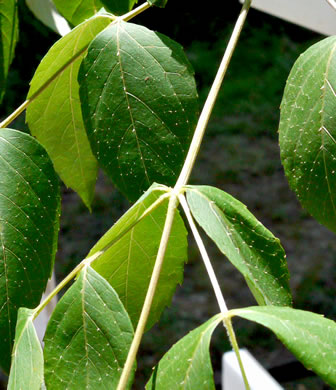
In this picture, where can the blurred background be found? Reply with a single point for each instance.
(240, 155)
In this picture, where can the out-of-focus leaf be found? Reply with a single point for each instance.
(8, 38)
(46, 12)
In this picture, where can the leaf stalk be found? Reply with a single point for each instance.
(172, 205)
(211, 99)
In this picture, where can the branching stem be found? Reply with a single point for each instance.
(233, 340)
(212, 276)
(211, 99)
(173, 203)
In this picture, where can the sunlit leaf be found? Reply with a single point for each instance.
(250, 247)
(27, 357)
(187, 365)
(308, 131)
(129, 262)
(139, 105)
(54, 116)
(8, 38)
(29, 214)
(88, 337)
(309, 336)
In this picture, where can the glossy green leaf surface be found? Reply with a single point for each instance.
(309, 336)
(308, 131)
(76, 11)
(187, 365)
(250, 247)
(88, 337)
(27, 358)
(128, 264)
(8, 38)
(29, 220)
(139, 105)
(54, 117)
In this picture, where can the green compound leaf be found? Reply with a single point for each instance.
(29, 222)
(8, 38)
(88, 337)
(76, 11)
(309, 336)
(187, 365)
(129, 263)
(139, 105)
(250, 247)
(54, 116)
(308, 131)
(27, 359)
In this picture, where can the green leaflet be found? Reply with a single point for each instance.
(250, 247)
(128, 264)
(187, 365)
(309, 336)
(139, 104)
(308, 131)
(8, 36)
(27, 358)
(54, 116)
(77, 11)
(88, 337)
(29, 215)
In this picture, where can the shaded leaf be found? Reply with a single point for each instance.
(76, 11)
(128, 264)
(29, 221)
(27, 358)
(139, 105)
(250, 247)
(158, 3)
(309, 336)
(46, 12)
(187, 365)
(54, 116)
(8, 38)
(308, 131)
(88, 336)
(118, 7)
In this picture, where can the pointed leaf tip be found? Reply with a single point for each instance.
(88, 336)
(250, 247)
